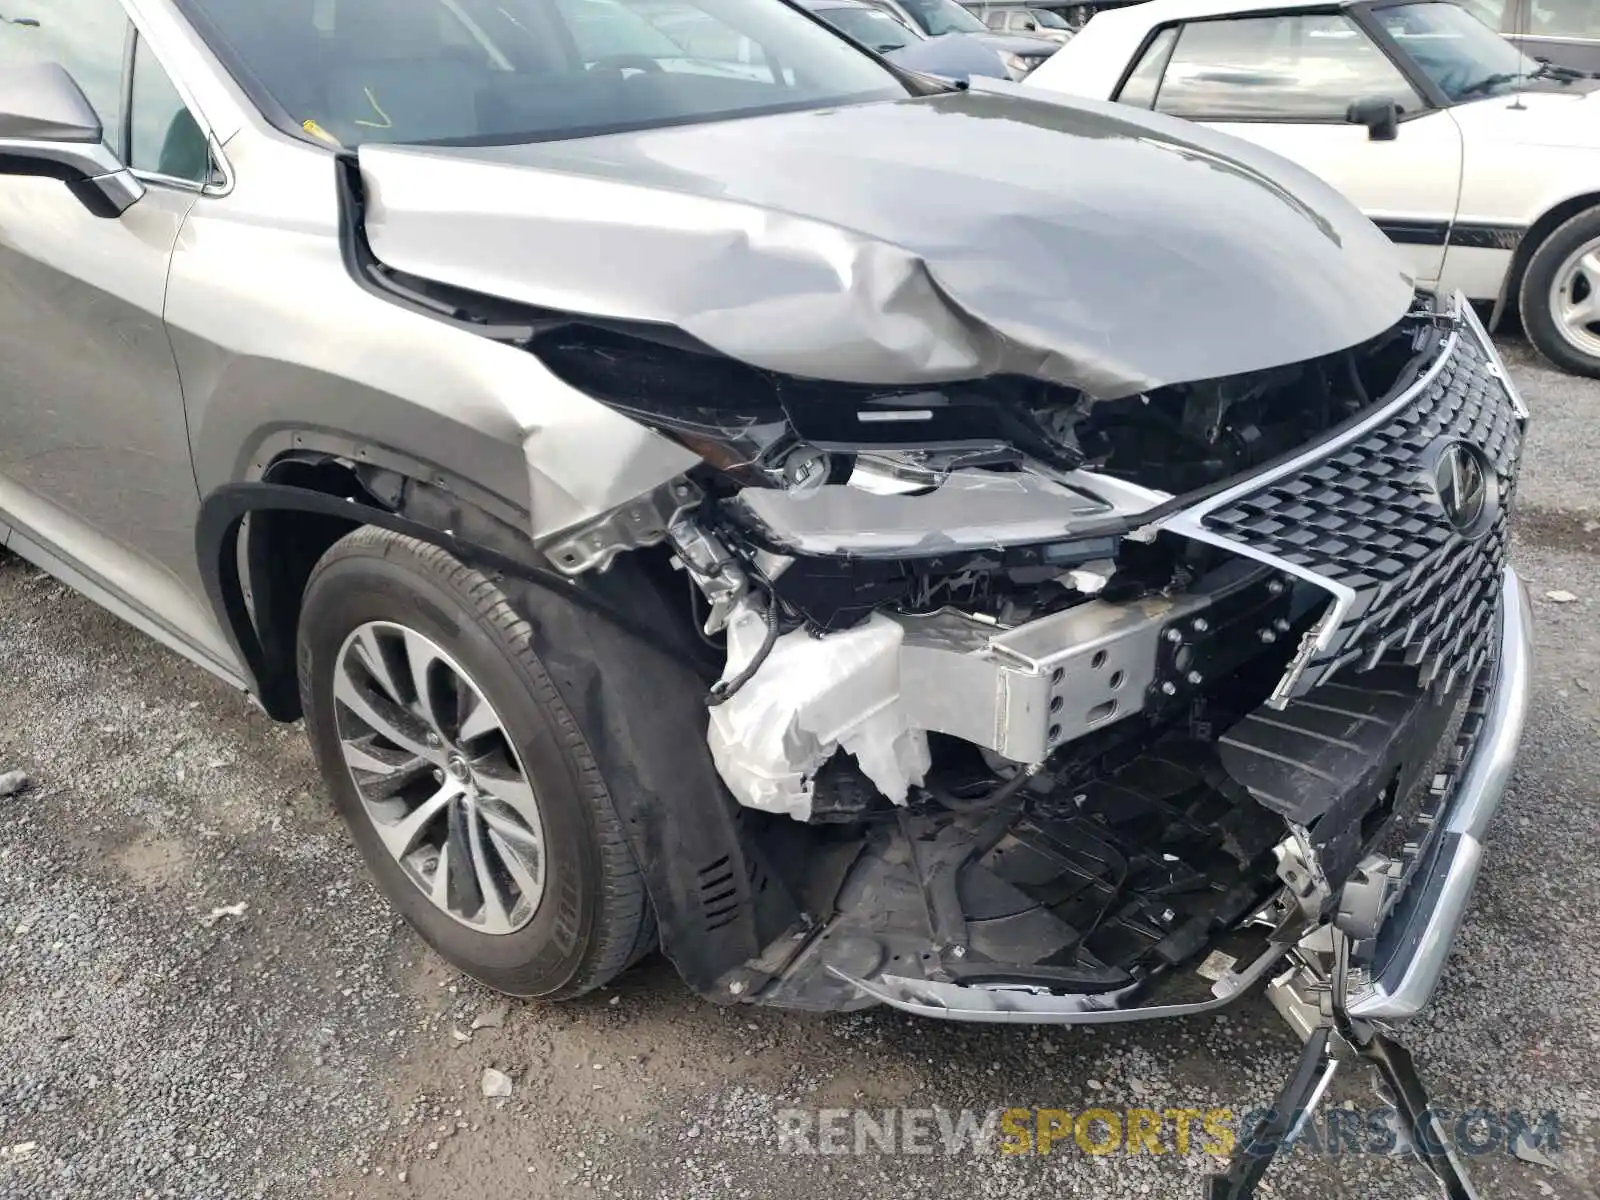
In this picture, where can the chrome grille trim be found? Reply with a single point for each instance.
(1429, 596)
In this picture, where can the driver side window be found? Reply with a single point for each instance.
(1284, 68)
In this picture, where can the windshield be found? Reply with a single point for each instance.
(874, 29)
(943, 16)
(1047, 19)
(1457, 51)
(488, 71)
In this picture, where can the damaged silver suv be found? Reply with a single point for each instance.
(881, 542)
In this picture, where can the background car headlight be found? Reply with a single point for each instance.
(1018, 65)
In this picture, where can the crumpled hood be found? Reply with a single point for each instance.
(913, 241)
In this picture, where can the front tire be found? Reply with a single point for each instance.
(1560, 295)
(461, 773)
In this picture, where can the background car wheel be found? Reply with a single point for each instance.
(1560, 295)
(461, 773)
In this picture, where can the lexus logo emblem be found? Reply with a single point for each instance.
(1464, 483)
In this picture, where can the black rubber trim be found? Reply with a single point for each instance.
(1415, 233)
(1481, 236)
(276, 685)
(1487, 236)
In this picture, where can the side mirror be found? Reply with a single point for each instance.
(49, 128)
(1381, 116)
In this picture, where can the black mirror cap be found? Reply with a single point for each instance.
(1380, 114)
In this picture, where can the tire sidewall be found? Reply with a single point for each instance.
(1534, 296)
(546, 955)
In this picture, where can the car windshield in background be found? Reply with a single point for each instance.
(872, 28)
(1047, 19)
(943, 16)
(492, 71)
(1456, 50)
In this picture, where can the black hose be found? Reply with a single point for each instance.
(999, 795)
(724, 690)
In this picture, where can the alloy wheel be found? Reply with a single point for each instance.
(438, 777)
(1575, 299)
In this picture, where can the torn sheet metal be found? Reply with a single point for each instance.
(812, 697)
(923, 240)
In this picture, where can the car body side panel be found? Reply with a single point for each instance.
(1526, 154)
(1524, 157)
(94, 452)
(1477, 272)
(1412, 183)
(282, 350)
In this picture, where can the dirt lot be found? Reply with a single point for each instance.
(156, 1044)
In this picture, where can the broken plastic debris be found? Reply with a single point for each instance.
(812, 697)
(496, 1084)
(227, 910)
(1216, 966)
(1528, 1151)
(1560, 597)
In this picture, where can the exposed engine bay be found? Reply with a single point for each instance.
(1001, 714)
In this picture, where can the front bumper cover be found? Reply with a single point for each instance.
(1415, 940)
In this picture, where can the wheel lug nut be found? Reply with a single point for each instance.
(438, 775)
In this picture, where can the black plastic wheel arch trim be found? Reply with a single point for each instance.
(667, 834)
(222, 516)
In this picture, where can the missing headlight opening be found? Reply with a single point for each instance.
(1020, 715)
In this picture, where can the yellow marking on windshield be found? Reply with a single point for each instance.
(317, 131)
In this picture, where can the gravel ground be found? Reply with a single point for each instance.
(161, 1041)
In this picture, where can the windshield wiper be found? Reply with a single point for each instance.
(1550, 70)
(1488, 83)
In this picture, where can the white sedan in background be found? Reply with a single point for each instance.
(1481, 164)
